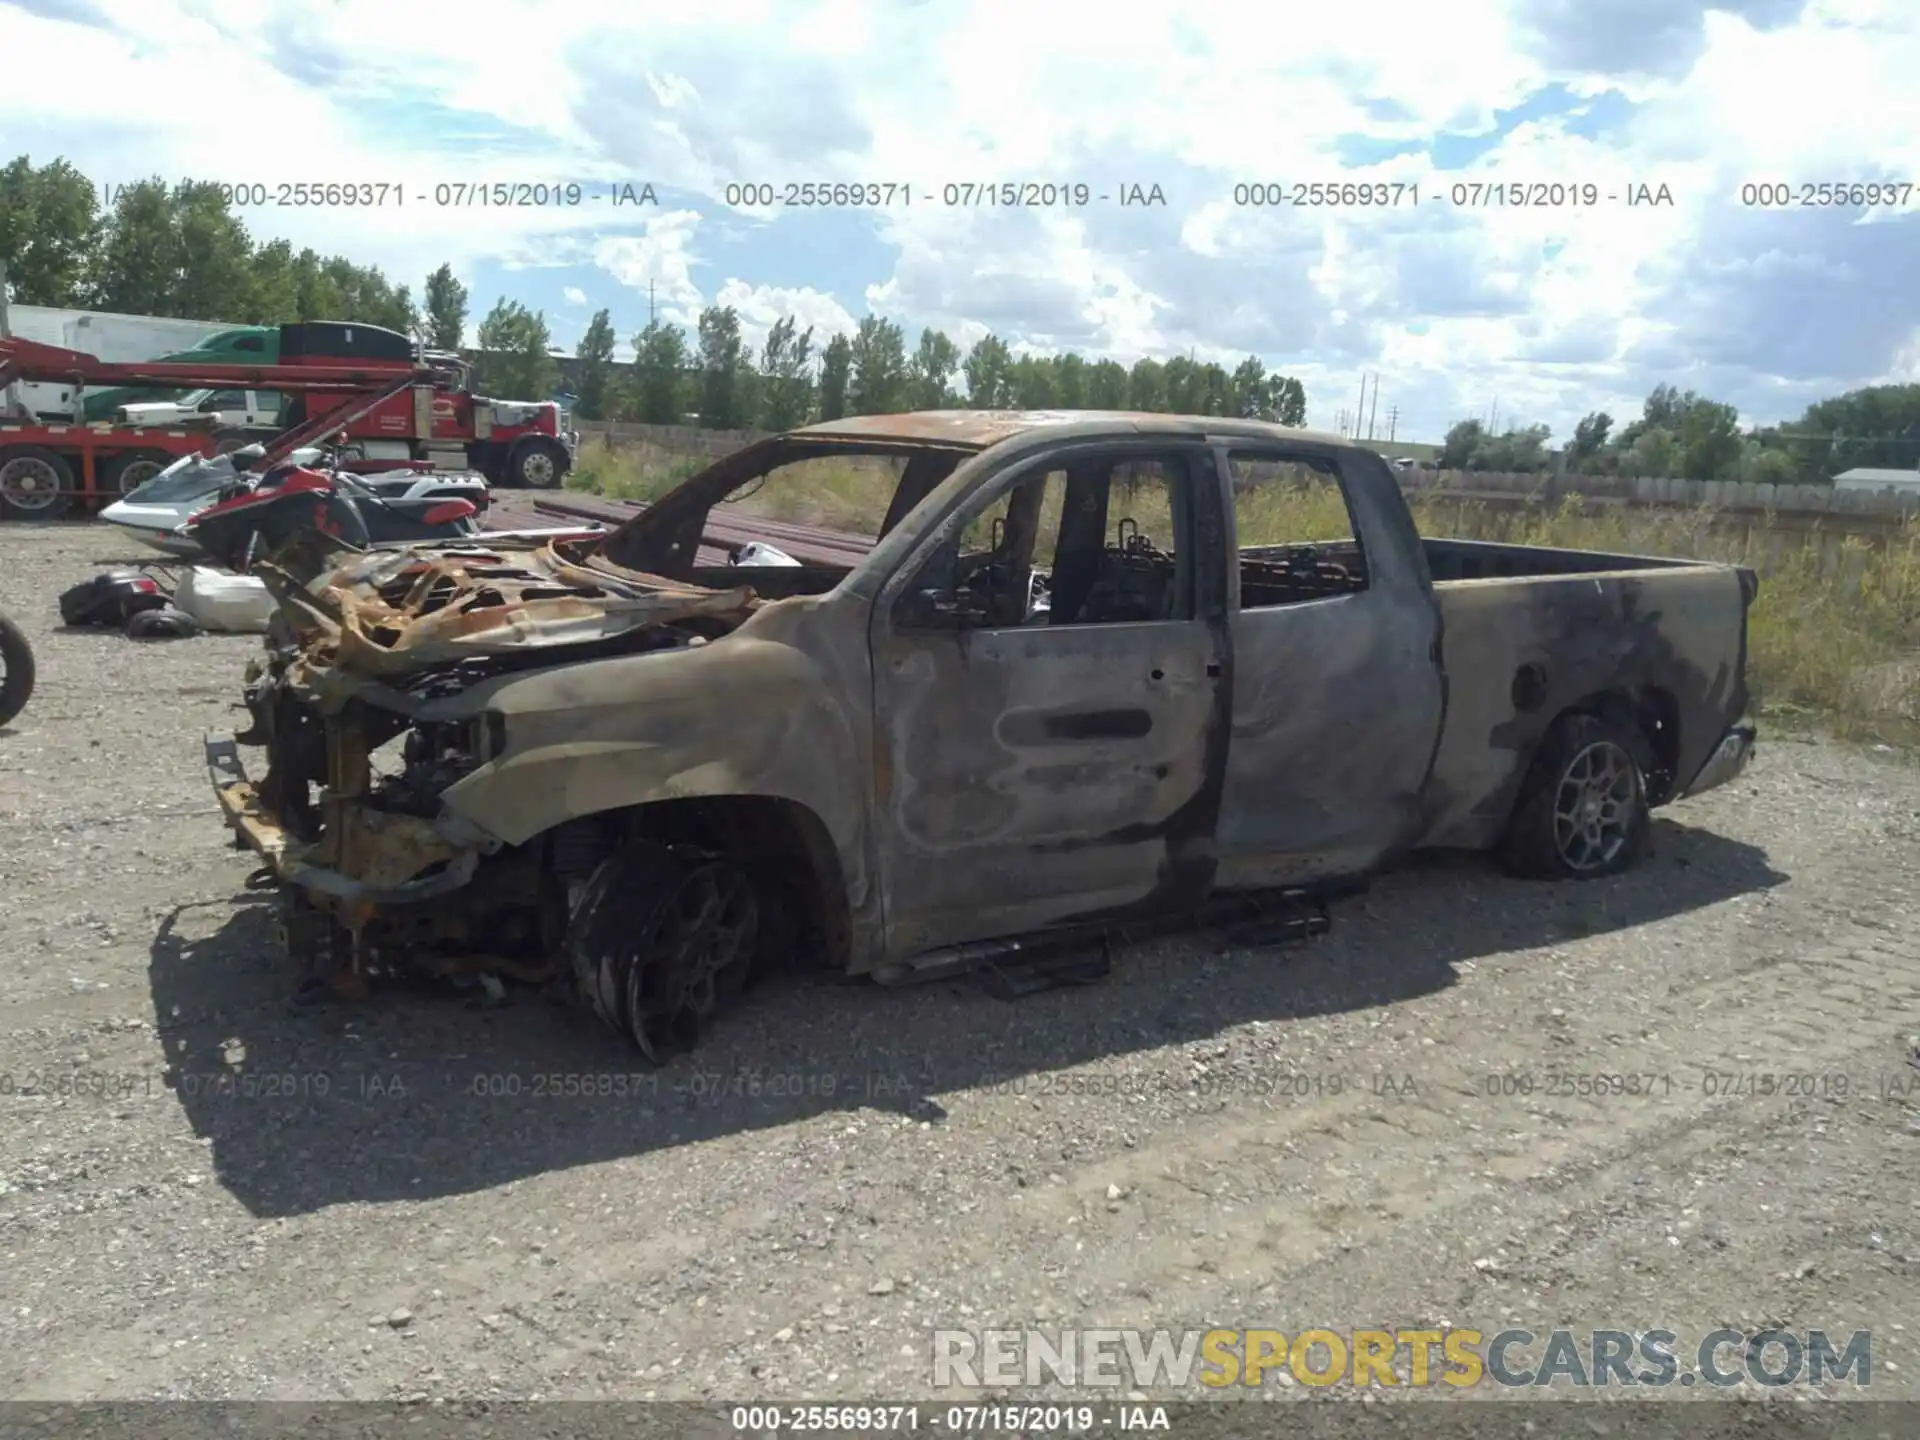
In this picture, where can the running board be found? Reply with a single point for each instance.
(1083, 954)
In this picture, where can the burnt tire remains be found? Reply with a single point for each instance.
(1583, 812)
(661, 943)
(16, 670)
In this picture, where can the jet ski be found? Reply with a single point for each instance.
(156, 511)
(249, 520)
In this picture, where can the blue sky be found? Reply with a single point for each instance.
(1545, 311)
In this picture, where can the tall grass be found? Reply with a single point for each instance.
(1830, 638)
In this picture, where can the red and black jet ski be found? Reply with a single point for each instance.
(249, 520)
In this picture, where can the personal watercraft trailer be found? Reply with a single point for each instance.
(49, 469)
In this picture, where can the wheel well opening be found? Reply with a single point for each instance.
(1655, 714)
(782, 846)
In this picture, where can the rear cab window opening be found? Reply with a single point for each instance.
(1296, 536)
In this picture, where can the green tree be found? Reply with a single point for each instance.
(1519, 450)
(1252, 399)
(784, 383)
(216, 274)
(836, 368)
(931, 371)
(316, 295)
(1184, 386)
(1147, 386)
(1070, 381)
(1461, 445)
(1762, 463)
(446, 313)
(1589, 437)
(1034, 383)
(988, 369)
(50, 232)
(366, 295)
(1878, 426)
(514, 362)
(1709, 439)
(721, 359)
(1652, 452)
(273, 289)
(659, 374)
(140, 259)
(879, 382)
(1107, 386)
(595, 398)
(1215, 390)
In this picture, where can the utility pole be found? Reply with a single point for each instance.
(1361, 412)
(1374, 413)
(1393, 422)
(649, 304)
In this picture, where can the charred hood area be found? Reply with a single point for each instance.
(455, 614)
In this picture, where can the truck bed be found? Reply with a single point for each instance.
(1449, 560)
(1558, 627)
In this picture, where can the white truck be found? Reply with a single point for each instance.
(105, 336)
(222, 407)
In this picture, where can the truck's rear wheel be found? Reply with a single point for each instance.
(35, 484)
(660, 946)
(537, 464)
(127, 473)
(1583, 812)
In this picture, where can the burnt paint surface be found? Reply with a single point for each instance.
(995, 782)
(1337, 703)
(1041, 774)
(1675, 630)
(1009, 809)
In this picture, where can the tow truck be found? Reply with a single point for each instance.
(48, 468)
(415, 406)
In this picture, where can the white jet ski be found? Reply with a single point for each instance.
(154, 512)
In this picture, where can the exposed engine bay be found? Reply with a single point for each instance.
(361, 653)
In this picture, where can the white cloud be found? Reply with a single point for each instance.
(657, 263)
(1551, 310)
(761, 307)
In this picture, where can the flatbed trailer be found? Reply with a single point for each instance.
(47, 469)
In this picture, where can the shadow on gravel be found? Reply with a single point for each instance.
(416, 1095)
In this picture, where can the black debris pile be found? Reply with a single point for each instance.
(125, 600)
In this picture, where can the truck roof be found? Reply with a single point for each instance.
(978, 429)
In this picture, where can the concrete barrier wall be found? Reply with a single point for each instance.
(689, 441)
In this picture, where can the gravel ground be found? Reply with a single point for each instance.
(414, 1198)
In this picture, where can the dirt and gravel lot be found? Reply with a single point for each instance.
(418, 1197)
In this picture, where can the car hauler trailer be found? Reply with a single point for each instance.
(49, 469)
(103, 335)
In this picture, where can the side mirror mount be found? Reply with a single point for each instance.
(933, 609)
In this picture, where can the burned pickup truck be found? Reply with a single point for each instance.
(1096, 672)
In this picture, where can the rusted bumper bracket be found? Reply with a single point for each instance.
(240, 804)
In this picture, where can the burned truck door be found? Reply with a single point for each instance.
(1050, 699)
(1338, 690)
